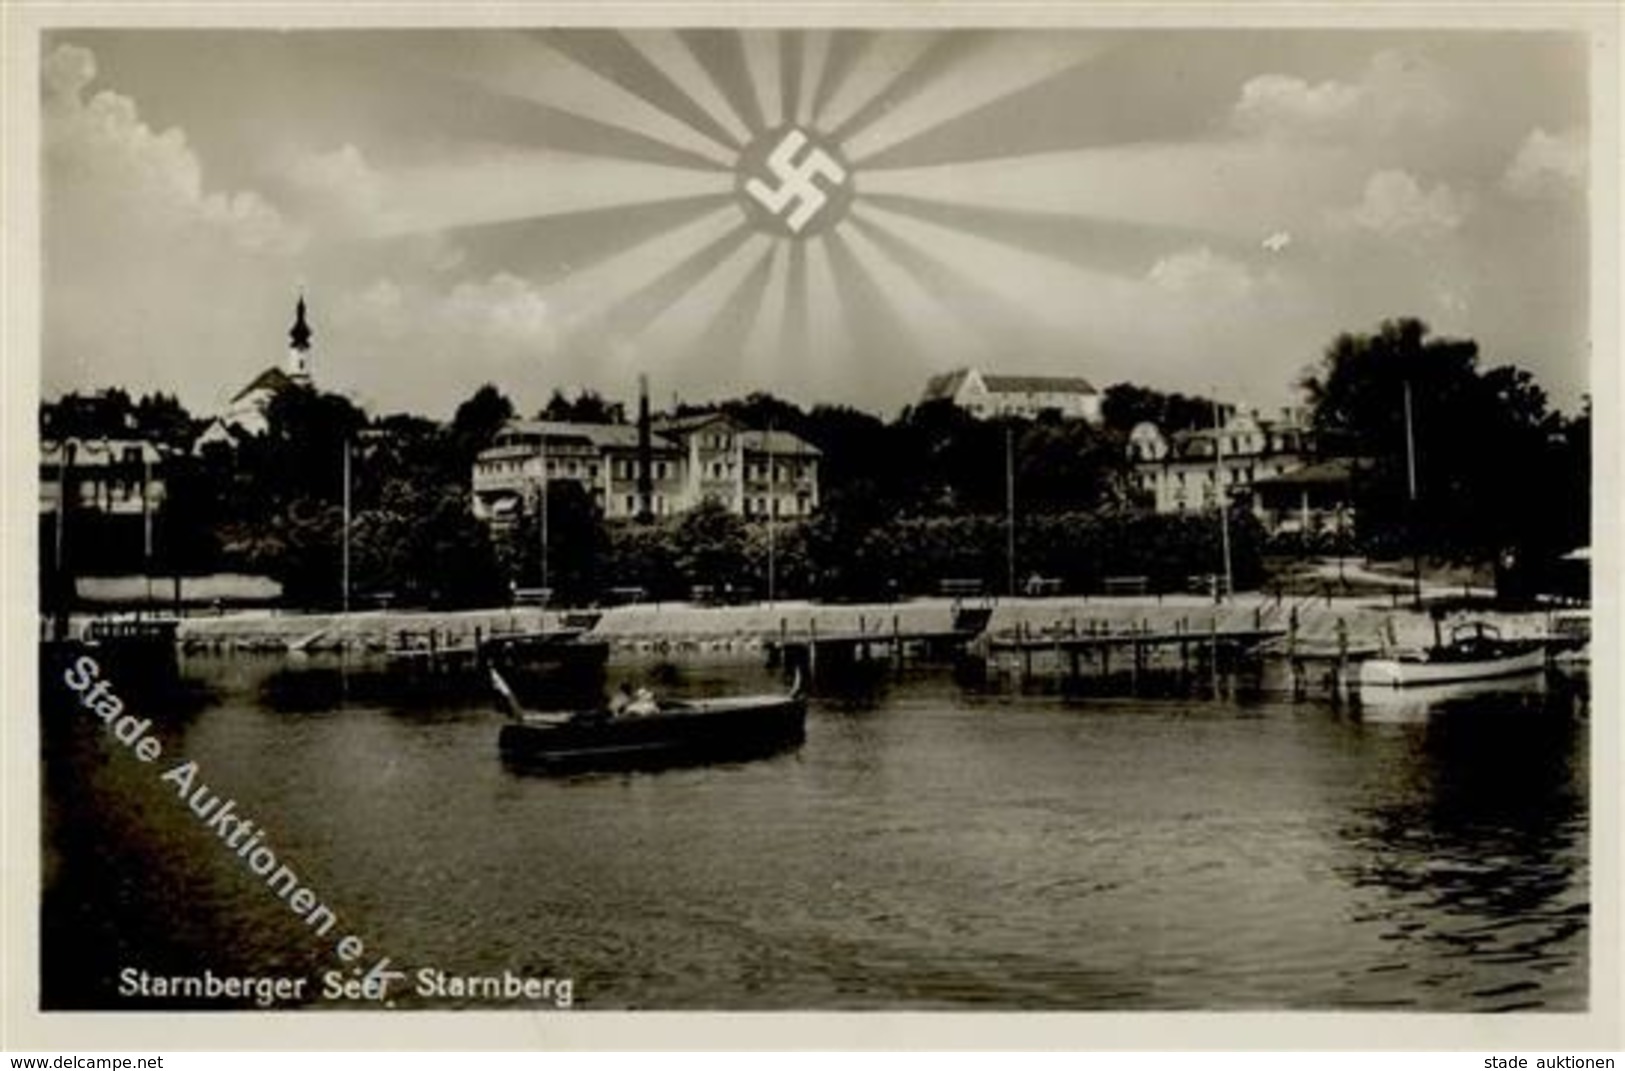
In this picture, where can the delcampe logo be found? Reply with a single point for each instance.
(811, 186)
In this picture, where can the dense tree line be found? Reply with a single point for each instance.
(1499, 477)
(905, 504)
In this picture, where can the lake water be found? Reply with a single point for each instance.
(926, 847)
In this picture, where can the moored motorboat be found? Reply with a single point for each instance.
(1475, 652)
(673, 732)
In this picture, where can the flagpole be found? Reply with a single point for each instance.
(541, 517)
(1220, 496)
(1010, 507)
(345, 570)
(146, 523)
(772, 514)
(1410, 481)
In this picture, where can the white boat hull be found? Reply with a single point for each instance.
(1377, 674)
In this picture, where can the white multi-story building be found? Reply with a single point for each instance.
(985, 396)
(692, 459)
(1186, 471)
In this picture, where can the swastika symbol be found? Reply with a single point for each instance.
(798, 181)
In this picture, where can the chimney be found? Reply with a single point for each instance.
(645, 452)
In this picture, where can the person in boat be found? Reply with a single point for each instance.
(626, 703)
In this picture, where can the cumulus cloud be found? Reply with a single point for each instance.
(1547, 165)
(339, 190)
(105, 164)
(502, 315)
(1396, 89)
(1202, 273)
(1396, 205)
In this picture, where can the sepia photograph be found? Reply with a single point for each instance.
(672, 517)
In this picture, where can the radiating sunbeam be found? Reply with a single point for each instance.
(995, 67)
(845, 46)
(665, 50)
(1103, 244)
(681, 323)
(927, 313)
(532, 185)
(626, 320)
(724, 342)
(814, 54)
(867, 307)
(761, 52)
(793, 328)
(581, 294)
(1012, 295)
(723, 57)
(790, 55)
(536, 69)
(541, 249)
(611, 55)
(887, 56)
(945, 53)
(1241, 189)
(764, 342)
(830, 332)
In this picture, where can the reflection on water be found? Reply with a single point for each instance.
(926, 847)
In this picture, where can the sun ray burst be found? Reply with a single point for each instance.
(1012, 295)
(581, 295)
(986, 69)
(790, 57)
(722, 55)
(815, 55)
(701, 308)
(531, 185)
(793, 328)
(945, 53)
(845, 46)
(866, 303)
(764, 342)
(825, 319)
(612, 56)
(628, 319)
(534, 68)
(923, 310)
(873, 72)
(1156, 184)
(761, 52)
(1099, 243)
(664, 49)
(544, 248)
(725, 340)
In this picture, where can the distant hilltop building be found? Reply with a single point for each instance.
(245, 414)
(692, 459)
(984, 396)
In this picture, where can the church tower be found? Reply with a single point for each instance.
(299, 337)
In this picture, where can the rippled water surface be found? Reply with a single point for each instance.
(926, 849)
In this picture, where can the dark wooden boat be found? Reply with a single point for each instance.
(678, 732)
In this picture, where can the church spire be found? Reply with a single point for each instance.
(299, 337)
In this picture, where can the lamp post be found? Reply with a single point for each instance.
(1010, 507)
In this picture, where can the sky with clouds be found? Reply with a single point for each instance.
(1194, 210)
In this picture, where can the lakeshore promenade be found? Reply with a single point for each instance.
(1316, 623)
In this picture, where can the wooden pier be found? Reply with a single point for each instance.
(874, 641)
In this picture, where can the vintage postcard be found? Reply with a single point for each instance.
(1042, 526)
